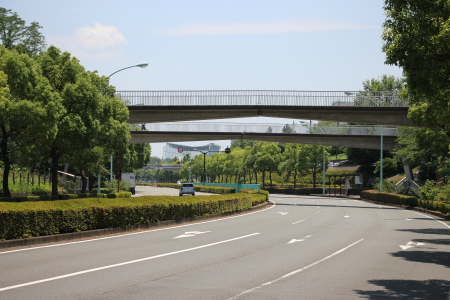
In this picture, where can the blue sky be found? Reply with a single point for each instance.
(324, 45)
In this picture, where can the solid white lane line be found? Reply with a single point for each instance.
(134, 233)
(295, 272)
(124, 263)
(298, 221)
(431, 218)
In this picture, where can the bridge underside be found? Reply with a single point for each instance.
(358, 141)
(396, 116)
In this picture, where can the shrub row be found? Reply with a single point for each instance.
(294, 191)
(198, 188)
(28, 219)
(214, 189)
(64, 197)
(258, 197)
(404, 200)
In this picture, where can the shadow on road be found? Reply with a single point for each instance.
(408, 289)
(429, 257)
(429, 231)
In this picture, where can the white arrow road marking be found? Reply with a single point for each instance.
(299, 240)
(283, 213)
(346, 216)
(410, 245)
(190, 233)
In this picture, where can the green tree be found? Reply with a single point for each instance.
(311, 157)
(268, 159)
(241, 144)
(384, 83)
(388, 84)
(186, 158)
(15, 34)
(93, 122)
(416, 37)
(290, 161)
(28, 110)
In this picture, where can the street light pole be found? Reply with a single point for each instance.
(141, 65)
(189, 168)
(381, 160)
(204, 165)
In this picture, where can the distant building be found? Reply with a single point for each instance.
(172, 150)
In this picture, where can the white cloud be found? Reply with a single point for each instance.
(99, 41)
(264, 28)
(100, 36)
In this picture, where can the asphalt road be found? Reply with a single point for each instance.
(300, 248)
(142, 190)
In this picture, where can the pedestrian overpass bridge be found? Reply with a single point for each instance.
(382, 107)
(366, 137)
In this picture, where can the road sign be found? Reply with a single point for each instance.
(180, 149)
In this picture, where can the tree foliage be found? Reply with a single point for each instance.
(15, 34)
(28, 110)
(416, 38)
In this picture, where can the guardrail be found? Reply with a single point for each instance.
(266, 98)
(272, 128)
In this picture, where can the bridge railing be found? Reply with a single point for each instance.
(191, 127)
(254, 98)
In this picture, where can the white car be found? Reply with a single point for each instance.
(187, 188)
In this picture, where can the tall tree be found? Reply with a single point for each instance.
(15, 34)
(268, 159)
(290, 161)
(93, 121)
(416, 38)
(28, 110)
(311, 157)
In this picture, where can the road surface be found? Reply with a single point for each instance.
(145, 190)
(299, 248)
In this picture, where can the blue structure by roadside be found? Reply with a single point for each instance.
(236, 186)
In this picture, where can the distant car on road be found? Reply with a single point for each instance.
(187, 188)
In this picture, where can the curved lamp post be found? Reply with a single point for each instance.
(141, 65)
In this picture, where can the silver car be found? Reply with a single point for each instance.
(187, 188)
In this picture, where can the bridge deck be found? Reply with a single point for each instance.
(353, 141)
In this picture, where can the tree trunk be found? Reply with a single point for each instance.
(83, 181)
(54, 171)
(295, 178)
(314, 177)
(6, 161)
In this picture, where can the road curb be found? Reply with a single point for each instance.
(63, 237)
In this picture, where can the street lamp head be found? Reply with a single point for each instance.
(142, 65)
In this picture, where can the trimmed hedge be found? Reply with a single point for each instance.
(411, 201)
(257, 197)
(64, 197)
(295, 191)
(28, 219)
(214, 189)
